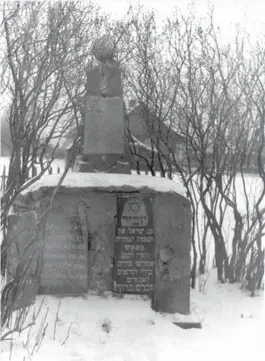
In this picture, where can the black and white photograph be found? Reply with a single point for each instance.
(132, 180)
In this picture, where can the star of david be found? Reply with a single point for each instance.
(134, 207)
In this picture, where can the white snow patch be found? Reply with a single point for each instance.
(105, 180)
(233, 329)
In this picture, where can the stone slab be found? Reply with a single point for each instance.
(188, 325)
(104, 80)
(64, 262)
(104, 126)
(134, 266)
(23, 258)
(172, 296)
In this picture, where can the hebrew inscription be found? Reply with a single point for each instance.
(134, 267)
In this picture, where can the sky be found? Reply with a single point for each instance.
(249, 13)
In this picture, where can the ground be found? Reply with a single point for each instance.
(126, 329)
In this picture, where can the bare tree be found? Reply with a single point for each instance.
(46, 49)
(247, 259)
(189, 84)
(151, 81)
(216, 125)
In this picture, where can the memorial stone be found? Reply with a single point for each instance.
(104, 129)
(108, 232)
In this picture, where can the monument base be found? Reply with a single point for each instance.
(106, 164)
(125, 234)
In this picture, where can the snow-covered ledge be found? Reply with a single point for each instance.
(107, 182)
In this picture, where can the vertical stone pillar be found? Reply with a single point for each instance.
(104, 126)
(104, 129)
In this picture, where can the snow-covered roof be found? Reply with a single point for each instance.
(105, 182)
(165, 126)
(146, 145)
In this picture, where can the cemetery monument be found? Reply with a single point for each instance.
(108, 230)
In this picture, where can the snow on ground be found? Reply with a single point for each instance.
(233, 329)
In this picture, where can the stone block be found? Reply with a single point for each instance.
(104, 126)
(74, 262)
(172, 290)
(173, 296)
(93, 80)
(104, 80)
(23, 257)
(188, 325)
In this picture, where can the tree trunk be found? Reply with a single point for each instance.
(219, 262)
(193, 270)
(202, 264)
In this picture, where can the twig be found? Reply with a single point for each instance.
(56, 320)
(10, 332)
(42, 337)
(41, 333)
(11, 347)
(67, 336)
(25, 344)
(39, 309)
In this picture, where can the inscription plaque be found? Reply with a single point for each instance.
(134, 265)
(64, 263)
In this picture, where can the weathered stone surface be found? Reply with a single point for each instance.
(104, 48)
(98, 223)
(32, 200)
(23, 256)
(173, 219)
(178, 267)
(73, 271)
(104, 129)
(166, 254)
(173, 296)
(64, 262)
(104, 126)
(93, 81)
(104, 80)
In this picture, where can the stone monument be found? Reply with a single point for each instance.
(104, 130)
(107, 230)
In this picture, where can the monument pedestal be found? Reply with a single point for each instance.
(107, 232)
